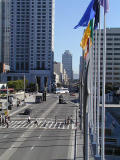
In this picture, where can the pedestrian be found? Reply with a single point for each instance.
(7, 123)
(18, 102)
(29, 119)
(3, 121)
(36, 122)
(65, 121)
(8, 118)
(71, 119)
(0, 119)
(68, 120)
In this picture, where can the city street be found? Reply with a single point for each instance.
(51, 139)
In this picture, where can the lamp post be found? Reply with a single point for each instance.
(7, 97)
(36, 84)
(24, 88)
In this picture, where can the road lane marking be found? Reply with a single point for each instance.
(39, 136)
(12, 147)
(5, 136)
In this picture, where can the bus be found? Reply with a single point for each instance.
(61, 90)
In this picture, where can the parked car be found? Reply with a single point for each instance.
(61, 100)
(27, 111)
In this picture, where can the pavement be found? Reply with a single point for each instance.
(80, 145)
(49, 141)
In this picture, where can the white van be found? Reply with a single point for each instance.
(61, 90)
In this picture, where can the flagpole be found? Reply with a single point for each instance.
(95, 68)
(98, 93)
(103, 94)
(89, 105)
(91, 85)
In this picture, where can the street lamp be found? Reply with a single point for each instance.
(24, 88)
(36, 84)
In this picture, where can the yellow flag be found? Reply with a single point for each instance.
(86, 35)
(87, 47)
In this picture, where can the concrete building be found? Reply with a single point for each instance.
(59, 70)
(4, 36)
(67, 63)
(112, 56)
(32, 41)
(65, 78)
(57, 78)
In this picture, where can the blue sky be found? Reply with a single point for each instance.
(67, 15)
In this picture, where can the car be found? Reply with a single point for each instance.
(72, 94)
(27, 111)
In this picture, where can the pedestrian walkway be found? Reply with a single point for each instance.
(80, 144)
(42, 123)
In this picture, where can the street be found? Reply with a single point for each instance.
(51, 139)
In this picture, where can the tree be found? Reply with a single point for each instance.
(17, 85)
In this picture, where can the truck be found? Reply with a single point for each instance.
(39, 98)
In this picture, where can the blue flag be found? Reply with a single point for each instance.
(88, 15)
(96, 8)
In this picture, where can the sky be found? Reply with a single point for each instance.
(67, 15)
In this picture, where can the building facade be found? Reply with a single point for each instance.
(59, 70)
(112, 56)
(67, 64)
(32, 41)
(4, 36)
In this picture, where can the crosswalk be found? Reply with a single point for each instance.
(17, 124)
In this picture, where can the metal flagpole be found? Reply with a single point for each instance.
(91, 86)
(98, 93)
(95, 69)
(103, 95)
(88, 115)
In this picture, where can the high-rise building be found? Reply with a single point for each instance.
(32, 40)
(59, 70)
(4, 35)
(112, 56)
(67, 63)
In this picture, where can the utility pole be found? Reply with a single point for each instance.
(36, 84)
(7, 97)
(24, 88)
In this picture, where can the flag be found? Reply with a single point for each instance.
(91, 29)
(88, 15)
(86, 35)
(96, 8)
(105, 4)
(87, 48)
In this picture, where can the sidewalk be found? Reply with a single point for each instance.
(80, 144)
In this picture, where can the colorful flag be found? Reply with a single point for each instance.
(86, 35)
(91, 29)
(105, 4)
(87, 47)
(88, 15)
(96, 8)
